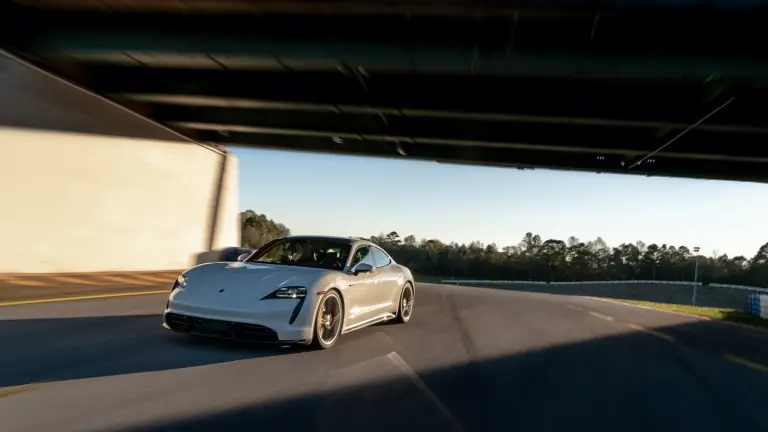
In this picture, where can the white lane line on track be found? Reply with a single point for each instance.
(650, 331)
(601, 316)
(414, 377)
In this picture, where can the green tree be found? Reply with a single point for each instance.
(549, 260)
(256, 229)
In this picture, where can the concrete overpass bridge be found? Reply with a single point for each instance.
(635, 87)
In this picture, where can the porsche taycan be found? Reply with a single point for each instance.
(294, 290)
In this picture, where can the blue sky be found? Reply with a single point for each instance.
(351, 196)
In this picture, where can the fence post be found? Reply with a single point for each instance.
(693, 300)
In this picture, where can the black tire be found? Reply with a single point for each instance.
(407, 295)
(321, 332)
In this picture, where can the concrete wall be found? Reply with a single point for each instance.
(88, 186)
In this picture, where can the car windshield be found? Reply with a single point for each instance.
(324, 253)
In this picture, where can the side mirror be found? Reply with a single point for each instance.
(362, 268)
(242, 257)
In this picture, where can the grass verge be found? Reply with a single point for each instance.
(720, 314)
(9, 391)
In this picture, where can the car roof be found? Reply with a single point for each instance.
(318, 237)
(351, 240)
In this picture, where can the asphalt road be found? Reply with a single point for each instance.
(472, 359)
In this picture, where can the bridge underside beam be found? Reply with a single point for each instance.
(578, 123)
(535, 99)
(597, 90)
(508, 155)
(476, 8)
(626, 119)
(695, 37)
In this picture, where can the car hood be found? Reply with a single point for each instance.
(258, 279)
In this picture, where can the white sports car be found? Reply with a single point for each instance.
(297, 289)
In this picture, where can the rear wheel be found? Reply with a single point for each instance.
(328, 321)
(405, 308)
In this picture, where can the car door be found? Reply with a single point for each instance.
(360, 294)
(388, 280)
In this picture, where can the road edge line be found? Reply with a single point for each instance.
(649, 331)
(89, 297)
(744, 326)
(748, 363)
(650, 308)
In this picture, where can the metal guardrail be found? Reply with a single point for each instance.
(614, 282)
(506, 282)
(762, 300)
(741, 287)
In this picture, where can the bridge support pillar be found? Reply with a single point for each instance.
(88, 186)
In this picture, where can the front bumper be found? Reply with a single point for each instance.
(237, 331)
(268, 321)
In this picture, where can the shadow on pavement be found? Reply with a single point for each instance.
(621, 379)
(671, 294)
(630, 382)
(51, 349)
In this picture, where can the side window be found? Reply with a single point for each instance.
(362, 255)
(381, 258)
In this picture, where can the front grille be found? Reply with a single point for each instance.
(253, 333)
(209, 327)
(223, 329)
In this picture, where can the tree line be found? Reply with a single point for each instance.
(256, 229)
(548, 260)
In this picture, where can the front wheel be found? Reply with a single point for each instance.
(405, 308)
(328, 321)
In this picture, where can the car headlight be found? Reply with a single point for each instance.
(288, 292)
(181, 282)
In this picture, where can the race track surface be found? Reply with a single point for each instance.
(472, 359)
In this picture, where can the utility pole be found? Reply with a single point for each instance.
(695, 274)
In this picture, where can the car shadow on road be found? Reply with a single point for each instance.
(35, 350)
(675, 377)
(633, 381)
